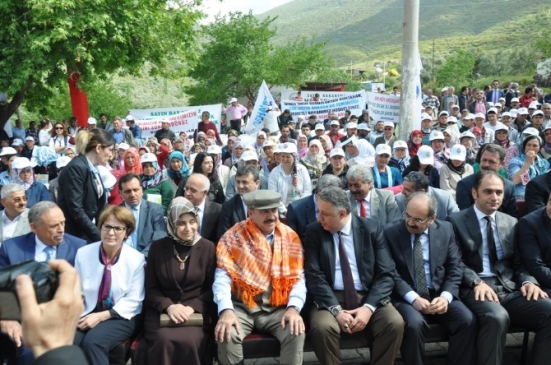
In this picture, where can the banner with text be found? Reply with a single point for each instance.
(355, 102)
(264, 99)
(308, 95)
(186, 121)
(215, 111)
(384, 107)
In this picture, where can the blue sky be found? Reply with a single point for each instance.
(213, 7)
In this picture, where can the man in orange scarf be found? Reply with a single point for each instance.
(259, 282)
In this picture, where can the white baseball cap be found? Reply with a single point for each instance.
(336, 152)
(214, 150)
(425, 155)
(20, 162)
(17, 142)
(287, 148)
(7, 151)
(458, 152)
(531, 131)
(319, 127)
(123, 146)
(268, 143)
(500, 126)
(249, 156)
(148, 157)
(492, 110)
(351, 125)
(363, 127)
(480, 115)
(400, 144)
(452, 120)
(466, 134)
(335, 122)
(522, 111)
(505, 114)
(515, 100)
(425, 116)
(92, 120)
(537, 112)
(533, 105)
(383, 149)
(443, 112)
(233, 100)
(435, 135)
(388, 124)
(29, 138)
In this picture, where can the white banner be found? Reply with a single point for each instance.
(384, 107)
(215, 111)
(308, 95)
(256, 121)
(186, 121)
(355, 102)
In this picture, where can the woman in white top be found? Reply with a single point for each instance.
(112, 276)
(455, 169)
(59, 138)
(44, 132)
(222, 171)
(289, 178)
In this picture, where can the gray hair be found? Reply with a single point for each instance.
(424, 197)
(36, 212)
(9, 189)
(337, 197)
(328, 180)
(360, 172)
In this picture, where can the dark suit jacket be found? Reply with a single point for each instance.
(535, 249)
(64, 355)
(22, 248)
(537, 192)
(464, 197)
(445, 262)
(375, 265)
(152, 225)
(300, 214)
(209, 225)
(231, 213)
(509, 269)
(161, 287)
(79, 200)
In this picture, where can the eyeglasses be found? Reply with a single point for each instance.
(389, 129)
(59, 128)
(116, 229)
(408, 217)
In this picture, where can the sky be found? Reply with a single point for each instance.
(213, 7)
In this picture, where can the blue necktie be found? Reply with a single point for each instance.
(50, 253)
(135, 234)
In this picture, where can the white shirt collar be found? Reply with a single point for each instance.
(202, 206)
(7, 219)
(480, 215)
(347, 229)
(41, 246)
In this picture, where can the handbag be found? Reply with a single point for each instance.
(195, 319)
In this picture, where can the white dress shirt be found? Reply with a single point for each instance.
(486, 265)
(9, 225)
(367, 202)
(40, 253)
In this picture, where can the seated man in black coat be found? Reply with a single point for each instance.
(304, 211)
(537, 192)
(491, 159)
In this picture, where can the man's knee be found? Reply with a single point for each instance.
(324, 327)
(497, 318)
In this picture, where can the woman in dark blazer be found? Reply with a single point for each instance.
(178, 282)
(82, 195)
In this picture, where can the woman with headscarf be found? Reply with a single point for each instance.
(178, 285)
(160, 151)
(132, 161)
(415, 141)
(289, 178)
(220, 172)
(302, 146)
(155, 186)
(314, 161)
(385, 176)
(527, 165)
(468, 140)
(455, 169)
(177, 170)
(22, 174)
(268, 160)
(360, 151)
(326, 144)
(450, 137)
(423, 162)
(236, 153)
(502, 136)
(400, 157)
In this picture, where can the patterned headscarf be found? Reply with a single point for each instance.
(137, 168)
(184, 171)
(152, 181)
(177, 208)
(16, 179)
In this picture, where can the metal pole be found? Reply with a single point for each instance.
(410, 69)
(433, 49)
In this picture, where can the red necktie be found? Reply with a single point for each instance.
(363, 211)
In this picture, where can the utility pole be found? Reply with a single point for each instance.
(411, 89)
(433, 49)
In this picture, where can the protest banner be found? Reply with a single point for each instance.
(264, 99)
(355, 102)
(308, 95)
(215, 111)
(186, 121)
(384, 107)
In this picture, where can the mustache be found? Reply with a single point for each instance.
(270, 221)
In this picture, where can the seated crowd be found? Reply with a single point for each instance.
(192, 245)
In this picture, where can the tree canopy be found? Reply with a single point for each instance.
(44, 41)
(237, 55)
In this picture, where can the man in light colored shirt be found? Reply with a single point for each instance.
(267, 278)
(15, 221)
(235, 113)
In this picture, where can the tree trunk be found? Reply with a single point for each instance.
(8, 109)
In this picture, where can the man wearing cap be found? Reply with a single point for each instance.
(334, 133)
(15, 221)
(479, 105)
(134, 129)
(235, 113)
(368, 202)
(546, 108)
(426, 128)
(491, 159)
(429, 273)
(449, 99)
(318, 131)
(304, 211)
(442, 122)
(492, 119)
(456, 113)
(247, 158)
(92, 123)
(165, 132)
(377, 132)
(350, 277)
(18, 130)
(363, 131)
(536, 121)
(337, 166)
(487, 135)
(17, 145)
(468, 123)
(521, 121)
(27, 151)
(260, 285)
(121, 134)
(388, 137)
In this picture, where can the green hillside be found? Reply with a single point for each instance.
(362, 31)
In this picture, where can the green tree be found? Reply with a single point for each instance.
(457, 69)
(237, 55)
(44, 41)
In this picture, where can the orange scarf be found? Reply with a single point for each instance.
(253, 265)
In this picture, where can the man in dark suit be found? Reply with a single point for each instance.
(429, 272)
(47, 241)
(196, 191)
(491, 159)
(496, 287)
(234, 210)
(347, 264)
(535, 250)
(304, 211)
(150, 221)
(418, 182)
(537, 192)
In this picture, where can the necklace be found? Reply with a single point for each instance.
(182, 262)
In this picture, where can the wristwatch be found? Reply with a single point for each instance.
(476, 282)
(335, 310)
